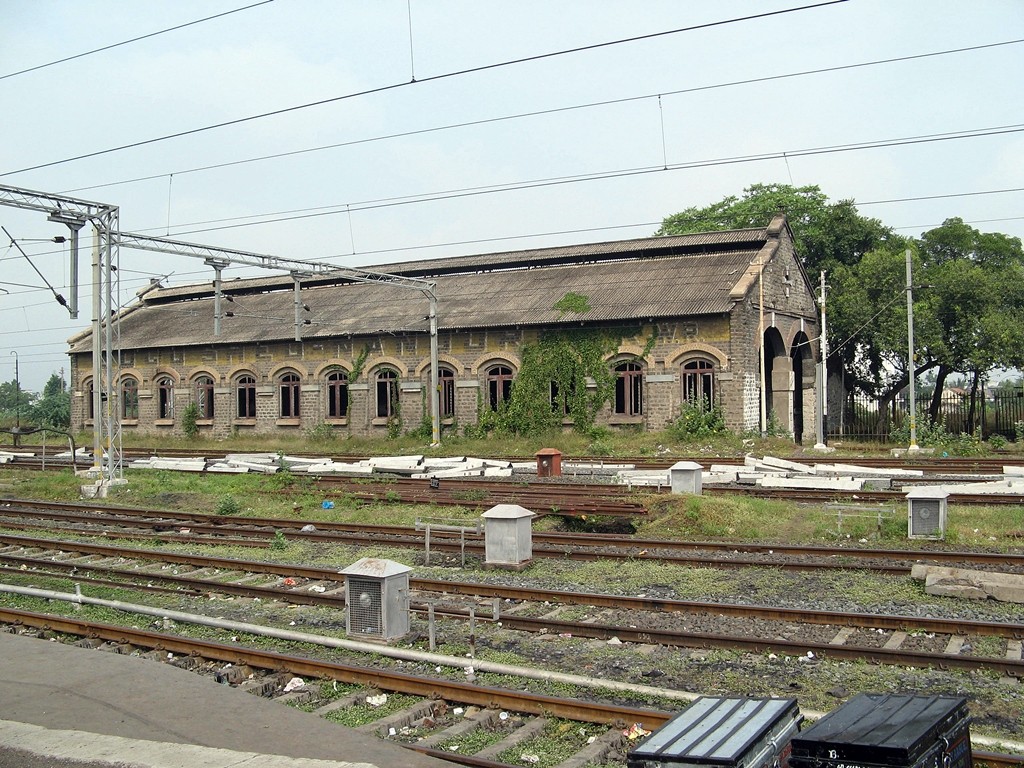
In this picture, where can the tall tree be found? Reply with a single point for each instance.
(14, 399)
(827, 234)
(53, 408)
(976, 295)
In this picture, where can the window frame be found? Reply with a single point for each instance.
(336, 383)
(386, 393)
(164, 398)
(629, 389)
(445, 392)
(129, 391)
(245, 396)
(697, 379)
(499, 378)
(289, 388)
(202, 393)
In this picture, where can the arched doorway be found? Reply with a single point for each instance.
(778, 382)
(803, 378)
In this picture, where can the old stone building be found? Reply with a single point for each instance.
(273, 356)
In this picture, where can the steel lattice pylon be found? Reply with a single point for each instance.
(75, 213)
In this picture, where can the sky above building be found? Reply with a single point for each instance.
(366, 133)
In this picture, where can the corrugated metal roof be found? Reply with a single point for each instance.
(627, 285)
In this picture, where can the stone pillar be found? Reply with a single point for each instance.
(782, 391)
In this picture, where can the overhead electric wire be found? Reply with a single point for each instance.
(541, 112)
(344, 208)
(431, 78)
(132, 40)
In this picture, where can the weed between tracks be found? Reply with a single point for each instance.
(997, 709)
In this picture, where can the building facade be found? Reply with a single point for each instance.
(273, 356)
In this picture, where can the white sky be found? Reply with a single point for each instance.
(288, 53)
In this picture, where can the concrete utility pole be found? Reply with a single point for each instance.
(822, 373)
(760, 331)
(17, 399)
(912, 364)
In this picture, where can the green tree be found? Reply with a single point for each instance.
(828, 236)
(826, 233)
(15, 401)
(976, 296)
(53, 408)
(968, 312)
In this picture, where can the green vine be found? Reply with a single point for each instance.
(189, 419)
(565, 360)
(359, 363)
(357, 370)
(651, 341)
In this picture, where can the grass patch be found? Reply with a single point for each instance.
(364, 713)
(560, 740)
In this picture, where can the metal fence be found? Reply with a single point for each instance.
(993, 412)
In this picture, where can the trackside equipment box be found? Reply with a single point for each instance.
(873, 730)
(729, 732)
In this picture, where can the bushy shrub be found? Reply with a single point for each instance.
(228, 505)
(322, 433)
(696, 421)
(189, 421)
(935, 435)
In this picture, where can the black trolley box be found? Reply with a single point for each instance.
(729, 732)
(872, 730)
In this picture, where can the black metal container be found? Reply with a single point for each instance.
(873, 730)
(728, 732)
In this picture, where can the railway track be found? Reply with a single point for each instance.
(436, 699)
(424, 719)
(931, 465)
(901, 640)
(602, 499)
(165, 525)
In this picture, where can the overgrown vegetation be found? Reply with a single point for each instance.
(189, 420)
(697, 422)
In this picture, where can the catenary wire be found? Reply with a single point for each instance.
(536, 113)
(132, 40)
(431, 78)
(344, 208)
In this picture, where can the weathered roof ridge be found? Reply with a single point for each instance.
(610, 250)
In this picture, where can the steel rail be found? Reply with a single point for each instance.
(936, 465)
(593, 630)
(519, 701)
(260, 539)
(572, 709)
(565, 543)
(471, 589)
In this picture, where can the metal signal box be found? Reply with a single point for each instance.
(727, 732)
(376, 599)
(876, 730)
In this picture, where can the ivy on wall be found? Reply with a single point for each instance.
(561, 362)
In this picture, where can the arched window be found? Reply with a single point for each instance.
(90, 406)
(699, 384)
(499, 386)
(387, 393)
(446, 392)
(204, 397)
(245, 397)
(289, 388)
(165, 397)
(629, 389)
(129, 398)
(561, 402)
(337, 395)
